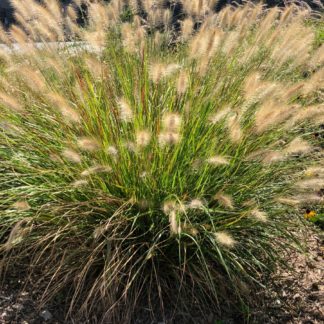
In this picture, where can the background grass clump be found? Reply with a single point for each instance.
(157, 169)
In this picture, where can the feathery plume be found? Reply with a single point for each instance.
(169, 69)
(186, 28)
(96, 39)
(273, 157)
(54, 8)
(99, 231)
(267, 24)
(224, 200)
(126, 113)
(17, 233)
(155, 17)
(257, 89)
(171, 121)
(231, 42)
(194, 46)
(79, 183)
(56, 63)
(19, 35)
(137, 21)
(55, 158)
(95, 170)
(157, 39)
(196, 204)
(249, 203)
(310, 198)
(64, 107)
(47, 27)
(312, 184)
(33, 79)
(167, 15)
(25, 26)
(205, 44)
(190, 230)
(10, 102)
(288, 201)
(98, 16)
(259, 215)
(132, 39)
(113, 12)
(4, 56)
(225, 239)
(172, 206)
(72, 156)
(292, 91)
(234, 127)
(293, 44)
(174, 227)
(134, 6)
(143, 138)
(217, 160)
(131, 146)
(252, 84)
(72, 14)
(96, 67)
(168, 138)
(215, 118)
(297, 146)
(169, 206)
(111, 150)
(158, 71)
(88, 144)
(4, 38)
(10, 128)
(318, 57)
(21, 205)
(182, 82)
(195, 8)
(271, 114)
(305, 113)
(143, 175)
(203, 66)
(314, 83)
(215, 39)
(286, 14)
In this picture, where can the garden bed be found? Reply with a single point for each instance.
(293, 297)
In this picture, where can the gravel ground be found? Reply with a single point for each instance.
(296, 298)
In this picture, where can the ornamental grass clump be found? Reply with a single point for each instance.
(150, 169)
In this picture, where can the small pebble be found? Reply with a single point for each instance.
(46, 315)
(4, 315)
(18, 307)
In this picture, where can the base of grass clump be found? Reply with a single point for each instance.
(161, 172)
(292, 296)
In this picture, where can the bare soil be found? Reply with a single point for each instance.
(296, 297)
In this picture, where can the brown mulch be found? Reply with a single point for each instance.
(296, 297)
(293, 297)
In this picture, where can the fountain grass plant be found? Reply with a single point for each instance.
(156, 170)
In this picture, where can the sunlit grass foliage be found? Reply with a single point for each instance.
(154, 168)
